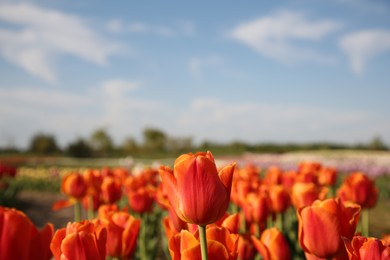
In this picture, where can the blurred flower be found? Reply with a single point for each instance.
(255, 207)
(272, 245)
(122, 234)
(367, 248)
(327, 176)
(111, 190)
(359, 189)
(74, 185)
(323, 224)
(279, 198)
(196, 191)
(245, 247)
(221, 244)
(304, 194)
(20, 239)
(142, 199)
(80, 241)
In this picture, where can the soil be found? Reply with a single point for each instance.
(37, 206)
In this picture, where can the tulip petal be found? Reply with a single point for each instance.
(226, 176)
(319, 225)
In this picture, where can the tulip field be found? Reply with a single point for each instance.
(198, 206)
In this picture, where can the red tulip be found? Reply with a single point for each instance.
(80, 241)
(304, 194)
(111, 190)
(369, 248)
(323, 224)
(359, 189)
(20, 239)
(74, 185)
(220, 245)
(272, 245)
(122, 234)
(142, 199)
(196, 191)
(279, 198)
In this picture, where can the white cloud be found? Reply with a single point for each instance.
(118, 87)
(363, 45)
(274, 36)
(116, 104)
(181, 28)
(37, 34)
(219, 120)
(198, 65)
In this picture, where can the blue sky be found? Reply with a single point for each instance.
(259, 71)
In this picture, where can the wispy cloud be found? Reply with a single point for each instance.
(185, 28)
(361, 46)
(275, 36)
(198, 65)
(35, 35)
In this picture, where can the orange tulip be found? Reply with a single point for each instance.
(20, 239)
(272, 245)
(279, 198)
(196, 191)
(74, 185)
(322, 225)
(255, 207)
(304, 194)
(80, 241)
(327, 176)
(142, 199)
(220, 245)
(245, 247)
(111, 190)
(122, 234)
(359, 189)
(367, 248)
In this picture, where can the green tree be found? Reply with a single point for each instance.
(101, 142)
(377, 144)
(79, 148)
(130, 146)
(43, 144)
(154, 140)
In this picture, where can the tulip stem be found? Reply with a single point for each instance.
(77, 211)
(203, 242)
(365, 222)
(90, 208)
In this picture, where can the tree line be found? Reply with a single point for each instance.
(157, 143)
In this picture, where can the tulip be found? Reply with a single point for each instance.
(74, 185)
(80, 241)
(111, 190)
(122, 234)
(279, 198)
(322, 225)
(327, 176)
(142, 199)
(196, 191)
(369, 248)
(20, 239)
(220, 243)
(304, 194)
(272, 245)
(359, 189)
(256, 207)
(245, 247)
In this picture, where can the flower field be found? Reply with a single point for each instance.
(195, 206)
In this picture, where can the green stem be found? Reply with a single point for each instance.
(279, 221)
(203, 242)
(365, 223)
(91, 213)
(77, 211)
(142, 245)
